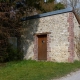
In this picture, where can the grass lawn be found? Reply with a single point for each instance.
(33, 70)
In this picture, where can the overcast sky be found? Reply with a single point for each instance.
(58, 0)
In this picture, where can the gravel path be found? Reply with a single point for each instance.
(71, 76)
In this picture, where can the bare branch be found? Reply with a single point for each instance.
(71, 3)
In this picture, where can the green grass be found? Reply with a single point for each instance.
(33, 70)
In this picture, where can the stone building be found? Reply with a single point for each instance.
(51, 36)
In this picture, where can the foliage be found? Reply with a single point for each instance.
(10, 54)
(33, 70)
(4, 0)
(3, 55)
(12, 26)
(49, 1)
(31, 2)
(9, 26)
(45, 7)
(34, 2)
(58, 6)
(3, 44)
(74, 4)
(42, 7)
(13, 54)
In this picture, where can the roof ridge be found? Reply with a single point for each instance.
(47, 14)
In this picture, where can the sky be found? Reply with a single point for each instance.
(58, 0)
(78, 5)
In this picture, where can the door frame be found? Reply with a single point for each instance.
(42, 55)
(36, 45)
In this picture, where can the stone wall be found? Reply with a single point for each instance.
(58, 43)
(76, 40)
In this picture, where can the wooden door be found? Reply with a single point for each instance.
(42, 47)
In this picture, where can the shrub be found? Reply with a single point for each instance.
(49, 1)
(10, 54)
(3, 55)
(58, 6)
(3, 45)
(13, 54)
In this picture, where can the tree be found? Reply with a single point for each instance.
(64, 2)
(11, 12)
(71, 3)
(58, 6)
(74, 4)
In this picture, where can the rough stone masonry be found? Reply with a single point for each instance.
(62, 30)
